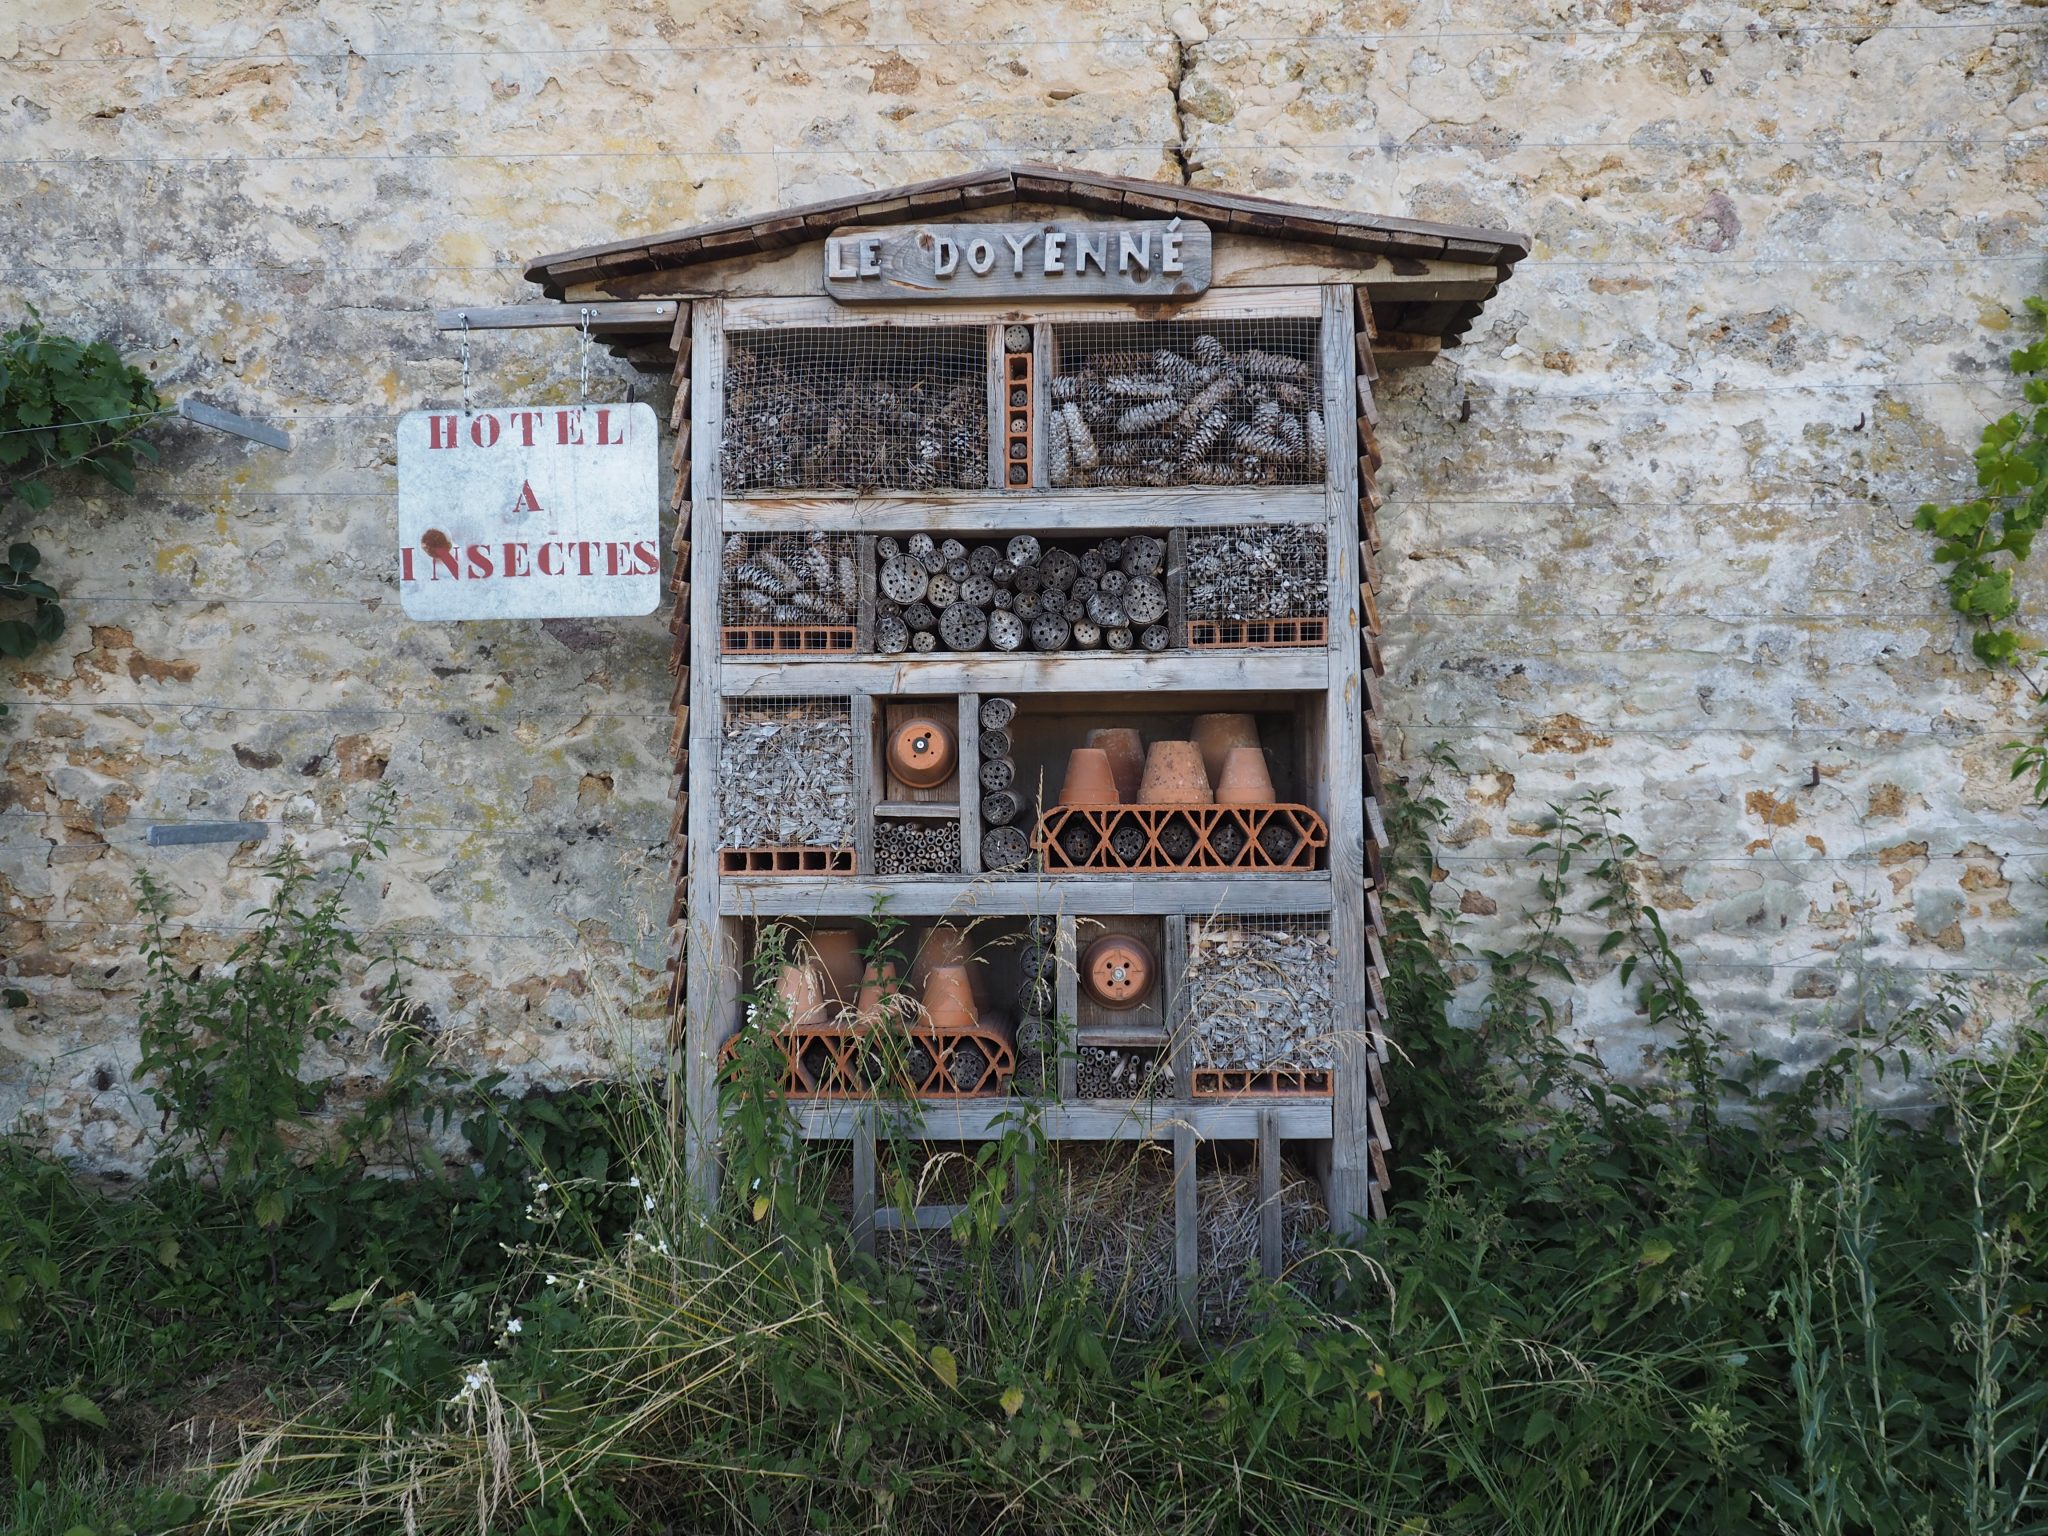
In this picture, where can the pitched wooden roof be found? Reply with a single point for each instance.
(1116, 195)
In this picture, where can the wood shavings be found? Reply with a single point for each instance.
(785, 777)
(1262, 995)
(1278, 571)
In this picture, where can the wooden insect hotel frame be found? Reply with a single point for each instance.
(997, 465)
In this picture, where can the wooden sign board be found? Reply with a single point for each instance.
(1159, 259)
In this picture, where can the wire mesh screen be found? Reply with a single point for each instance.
(785, 776)
(789, 592)
(1182, 403)
(857, 408)
(1261, 999)
(1258, 585)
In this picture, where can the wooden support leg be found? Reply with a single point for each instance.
(1187, 1236)
(1270, 1235)
(864, 1180)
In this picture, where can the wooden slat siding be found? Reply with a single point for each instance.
(1343, 736)
(1368, 567)
(679, 412)
(1066, 996)
(865, 792)
(713, 978)
(1378, 952)
(1367, 368)
(681, 543)
(1187, 1231)
(1272, 1237)
(1405, 349)
(1368, 517)
(1374, 658)
(1367, 325)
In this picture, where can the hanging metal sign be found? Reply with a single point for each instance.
(1062, 259)
(529, 512)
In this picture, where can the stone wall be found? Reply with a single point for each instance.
(1649, 530)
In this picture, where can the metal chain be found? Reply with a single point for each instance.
(583, 358)
(465, 362)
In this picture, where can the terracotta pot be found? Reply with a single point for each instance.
(1091, 780)
(837, 952)
(879, 993)
(1245, 780)
(922, 752)
(1174, 775)
(947, 945)
(1117, 971)
(1217, 734)
(949, 998)
(1126, 749)
(801, 990)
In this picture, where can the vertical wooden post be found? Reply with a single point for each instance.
(1042, 362)
(970, 783)
(1173, 977)
(1187, 1234)
(1350, 1177)
(998, 410)
(1271, 1238)
(713, 993)
(864, 1179)
(864, 792)
(1066, 992)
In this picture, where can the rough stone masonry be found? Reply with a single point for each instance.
(1649, 530)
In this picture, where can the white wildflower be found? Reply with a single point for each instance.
(633, 1182)
(648, 1203)
(541, 1188)
(474, 1380)
(513, 1325)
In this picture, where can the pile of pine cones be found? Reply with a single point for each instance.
(1276, 572)
(880, 418)
(788, 579)
(934, 596)
(1219, 417)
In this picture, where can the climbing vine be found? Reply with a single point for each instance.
(1984, 540)
(65, 405)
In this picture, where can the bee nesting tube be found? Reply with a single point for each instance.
(1103, 1072)
(917, 847)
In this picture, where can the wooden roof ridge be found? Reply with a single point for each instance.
(1125, 196)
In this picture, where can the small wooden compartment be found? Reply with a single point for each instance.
(1169, 402)
(1256, 586)
(1025, 592)
(1284, 835)
(1258, 1006)
(792, 593)
(856, 408)
(786, 786)
(853, 1012)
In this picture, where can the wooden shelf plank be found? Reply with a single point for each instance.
(935, 810)
(990, 515)
(1297, 669)
(1084, 1120)
(1021, 896)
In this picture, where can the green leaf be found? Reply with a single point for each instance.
(1656, 1251)
(34, 494)
(24, 557)
(24, 1444)
(944, 1366)
(78, 1406)
(1012, 1400)
(17, 639)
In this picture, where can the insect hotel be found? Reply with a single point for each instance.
(1024, 564)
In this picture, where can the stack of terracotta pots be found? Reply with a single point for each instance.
(1223, 764)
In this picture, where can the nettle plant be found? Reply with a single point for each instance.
(65, 405)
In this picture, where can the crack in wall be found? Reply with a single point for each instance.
(1183, 61)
